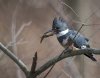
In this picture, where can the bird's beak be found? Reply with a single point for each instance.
(47, 34)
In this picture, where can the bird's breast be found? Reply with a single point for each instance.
(63, 40)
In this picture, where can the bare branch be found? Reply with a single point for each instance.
(64, 55)
(34, 63)
(66, 73)
(15, 59)
(22, 28)
(70, 8)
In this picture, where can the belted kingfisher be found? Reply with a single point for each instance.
(64, 33)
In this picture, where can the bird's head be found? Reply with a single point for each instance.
(59, 25)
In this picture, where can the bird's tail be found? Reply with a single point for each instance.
(90, 55)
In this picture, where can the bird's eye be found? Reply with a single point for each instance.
(54, 28)
(57, 28)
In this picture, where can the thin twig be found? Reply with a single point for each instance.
(22, 28)
(49, 71)
(66, 73)
(70, 8)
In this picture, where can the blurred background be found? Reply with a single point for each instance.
(23, 22)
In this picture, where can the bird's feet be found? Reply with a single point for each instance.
(68, 50)
(71, 49)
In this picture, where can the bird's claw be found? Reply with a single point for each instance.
(68, 50)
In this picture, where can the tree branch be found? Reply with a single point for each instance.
(34, 63)
(64, 55)
(48, 64)
(15, 59)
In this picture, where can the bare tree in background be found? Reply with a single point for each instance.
(75, 64)
(14, 43)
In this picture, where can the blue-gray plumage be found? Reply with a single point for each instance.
(63, 32)
(79, 40)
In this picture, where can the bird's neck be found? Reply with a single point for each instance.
(62, 33)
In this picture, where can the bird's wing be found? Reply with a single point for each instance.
(79, 40)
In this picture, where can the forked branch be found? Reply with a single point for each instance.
(65, 54)
(48, 64)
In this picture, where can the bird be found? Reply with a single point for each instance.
(69, 38)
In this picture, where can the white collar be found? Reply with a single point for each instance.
(62, 33)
